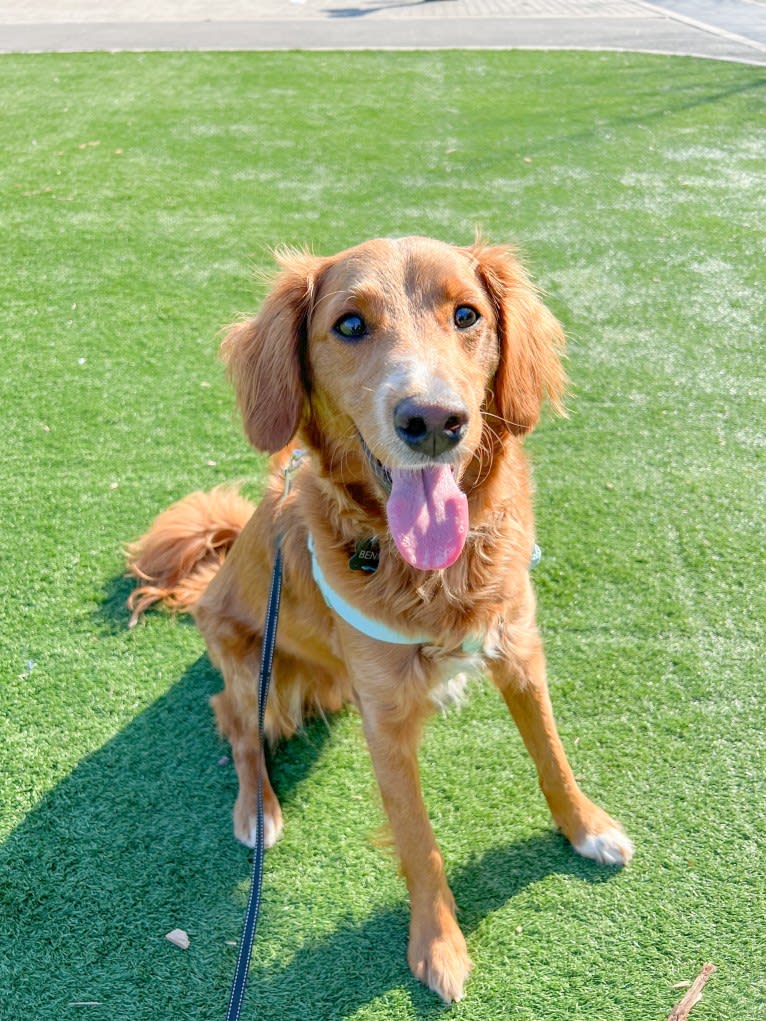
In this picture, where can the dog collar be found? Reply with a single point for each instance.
(367, 625)
(537, 556)
(472, 646)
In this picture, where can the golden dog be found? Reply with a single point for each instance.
(409, 370)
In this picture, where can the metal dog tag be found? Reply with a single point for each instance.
(366, 556)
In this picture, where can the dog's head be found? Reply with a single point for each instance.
(412, 356)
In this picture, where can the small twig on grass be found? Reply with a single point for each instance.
(693, 995)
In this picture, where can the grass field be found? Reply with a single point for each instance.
(139, 193)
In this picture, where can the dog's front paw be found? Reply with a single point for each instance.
(246, 823)
(441, 962)
(609, 848)
(603, 840)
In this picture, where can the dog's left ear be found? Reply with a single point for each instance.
(531, 340)
(266, 356)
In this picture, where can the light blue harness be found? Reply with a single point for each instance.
(374, 628)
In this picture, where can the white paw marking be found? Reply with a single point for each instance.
(272, 831)
(611, 847)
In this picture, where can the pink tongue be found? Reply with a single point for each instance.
(428, 516)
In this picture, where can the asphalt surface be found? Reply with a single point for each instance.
(720, 29)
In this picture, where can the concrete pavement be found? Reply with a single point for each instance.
(721, 29)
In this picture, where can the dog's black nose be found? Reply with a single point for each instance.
(430, 428)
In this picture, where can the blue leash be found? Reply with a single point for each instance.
(264, 679)
(254, 900)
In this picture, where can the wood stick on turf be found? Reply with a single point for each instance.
(693, 995)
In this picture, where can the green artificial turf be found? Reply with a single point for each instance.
(139, 192)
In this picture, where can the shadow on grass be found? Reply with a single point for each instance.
(362, 961)
(134, 842)
(137, 841)
(678, 99)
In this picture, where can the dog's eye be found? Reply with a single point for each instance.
(465, 317)
(351, 327)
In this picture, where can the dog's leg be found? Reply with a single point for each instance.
(236, 710)
(392, 724)
(437, 953)
(522, 682)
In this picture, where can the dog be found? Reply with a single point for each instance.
(409, 372)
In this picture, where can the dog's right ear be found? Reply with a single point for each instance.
(266, 356)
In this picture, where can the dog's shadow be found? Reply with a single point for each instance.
(137, 841)
(363, 961)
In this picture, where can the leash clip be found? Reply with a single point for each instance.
(297, 457)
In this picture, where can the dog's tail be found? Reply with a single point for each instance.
(186, 544)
